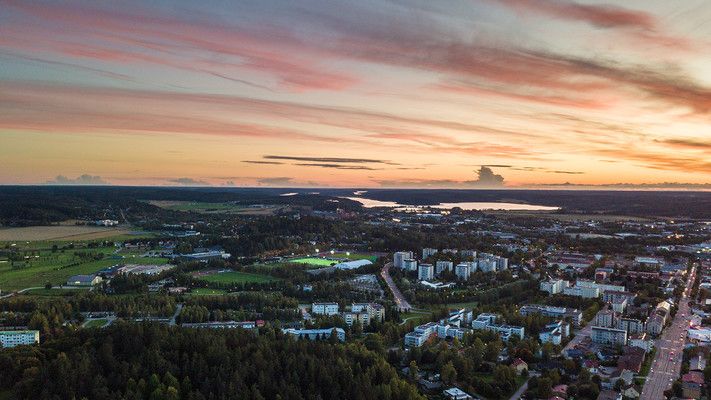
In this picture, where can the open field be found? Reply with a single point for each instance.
(208, 292)
(40, 265)
(237, 277)
(60, 232)
(215, 208)
(54, 292)
(96, 323)
(314, 261)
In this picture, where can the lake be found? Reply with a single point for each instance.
(470, 205)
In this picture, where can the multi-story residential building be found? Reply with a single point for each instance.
(605, 318)
(608, 336)
(324, 308)
(631, 325)
(554, 286)
(610, 296)
(420, 334)
(655, 324)
(585, 292)
(462, 271)
(468, 254)
(573, 314)
(427, 252)
(409, 264)
(619, 305)
(9, 339)
(555, 332)
(486, 264)
(316, 334)
(425, 272)
(441, 266)
(400, 257)
(488, 321)
(375, 311)
(601, 286)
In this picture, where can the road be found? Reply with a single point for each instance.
(520, 391)
(666, 366)
(400, 300)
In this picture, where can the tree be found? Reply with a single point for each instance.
(448, 373)
(414, 372)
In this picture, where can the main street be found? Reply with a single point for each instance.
(400, 300)
(666, 366)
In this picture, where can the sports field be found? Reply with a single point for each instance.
(95, 323)
(237, 277)
(355, 256)
(207, 292)
(314, 261)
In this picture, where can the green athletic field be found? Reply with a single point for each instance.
(238, 277)
(314, 261)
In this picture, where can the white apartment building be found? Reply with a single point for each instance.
(441, 266)
(608, 336)
(554, 286)
(324, 308)
(585, 292)
(9, 339)
(316, 334)
(427, 252)
(425, 272)
(488, 321)
(555, 332)
(400, 257)
(462, 271)
(410, 264)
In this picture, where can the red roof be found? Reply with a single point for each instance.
(518, 362)
(560, 389)
(693, 377)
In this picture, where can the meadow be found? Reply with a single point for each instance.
(214, 208)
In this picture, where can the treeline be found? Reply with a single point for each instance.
(150, 361)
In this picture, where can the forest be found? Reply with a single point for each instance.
(151, 361)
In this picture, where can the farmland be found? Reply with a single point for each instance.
(35, 265)
(215, 208)
(60, 233)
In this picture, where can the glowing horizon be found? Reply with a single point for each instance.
(356, 94)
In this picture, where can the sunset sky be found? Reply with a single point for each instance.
(355, 93)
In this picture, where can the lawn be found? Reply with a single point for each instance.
(56, 292)
(238, 277)
(208, 292)
(42, 265)
(95, 323)
(314, 261)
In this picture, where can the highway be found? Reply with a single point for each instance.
(400, 300)
(666, 366)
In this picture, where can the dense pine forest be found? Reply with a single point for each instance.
(144, 361)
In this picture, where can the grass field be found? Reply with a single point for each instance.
(208, 292)
(237, 277)
(53, 292)
(95, 323)
(60, 232)
(42, 265)
(314, 261)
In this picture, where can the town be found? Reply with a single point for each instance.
(460, 304)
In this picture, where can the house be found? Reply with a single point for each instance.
(609, 395)
(632, 359)
(625, 375)
(456, 394)
(691, 384)
(630, 391)
(519, 366)
(84, 280)
(592, 366)
(560, 391)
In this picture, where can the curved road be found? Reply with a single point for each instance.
(666, 366)
(400, 300)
